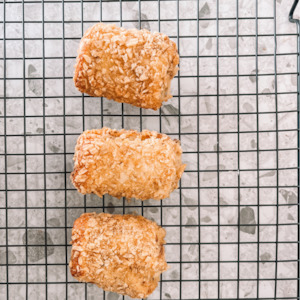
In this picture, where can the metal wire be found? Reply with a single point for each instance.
(207, 233)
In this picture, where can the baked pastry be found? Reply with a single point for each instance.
(130, 66)
(122, 254)
(126, 163)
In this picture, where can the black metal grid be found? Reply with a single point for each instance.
(62, 195)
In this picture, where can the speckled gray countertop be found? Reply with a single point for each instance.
(227, 181)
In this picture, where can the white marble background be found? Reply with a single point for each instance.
(220, 120)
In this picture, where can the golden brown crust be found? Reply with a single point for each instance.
(130, 66)
(122, 254)
(126, 163)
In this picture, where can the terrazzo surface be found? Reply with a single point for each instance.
(238, 134)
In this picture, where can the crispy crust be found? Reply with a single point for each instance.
(126, 163)
(122, 254)
(130, 66)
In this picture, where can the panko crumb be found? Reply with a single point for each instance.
(126, 163)
(122, 254)
(130, 66)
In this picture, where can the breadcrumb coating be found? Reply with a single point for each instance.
(130, 66)
(126, 163)
(122, 254)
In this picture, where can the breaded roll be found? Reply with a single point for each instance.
(126, 163)
(130, 66)
(122, 254)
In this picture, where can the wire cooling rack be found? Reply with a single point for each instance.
(233, 225)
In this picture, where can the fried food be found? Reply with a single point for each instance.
(122, 254)
(130, 66)
(126, 163)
